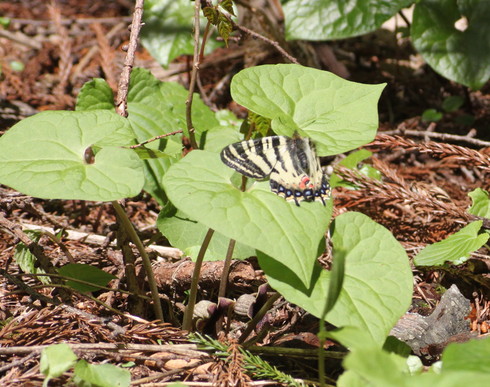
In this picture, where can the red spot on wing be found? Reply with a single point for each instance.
(305, 183)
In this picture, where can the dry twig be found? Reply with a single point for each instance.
(231, 372)
(107, 55)
(420, 201)
(441, 150)
(440, 136)
(273, 43)
(34, 248)
(123, 87)
(121, 109)
(65, 63)
(412, 212)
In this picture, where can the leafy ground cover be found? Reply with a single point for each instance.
(407, 225)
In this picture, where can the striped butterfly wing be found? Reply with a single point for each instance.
(298, 175)
(291, 164)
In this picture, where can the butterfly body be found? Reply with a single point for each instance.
(291, 164)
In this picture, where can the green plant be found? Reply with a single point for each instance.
(456, 248)
(168, 29)
(252, 364)
(449, 105)
(451, 35)
(317, 104)
(339, 115)
(93, 154)
(59, 358)
(480, 203)
(460, 363)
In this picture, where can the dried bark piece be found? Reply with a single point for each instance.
(447, 323)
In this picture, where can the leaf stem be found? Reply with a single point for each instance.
(157, 307)
(226, 269)
(334, 289)
(192, 83)
(189, 311)
(204, 40)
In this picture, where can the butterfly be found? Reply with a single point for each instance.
(291, 164)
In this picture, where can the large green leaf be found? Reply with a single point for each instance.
(156, 108)
(335, 19)
(45, 156)
(164, 101)
(377, 285)
(455, 248)
(337, 114)
(458, 53)
(200, 185)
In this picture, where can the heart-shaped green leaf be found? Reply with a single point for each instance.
(377, 285)
(458, 52)
(45, 156)
(338, 115)
(200, 185)
(156, 108)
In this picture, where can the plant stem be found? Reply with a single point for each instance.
(226, 269)
(189, 311)
(321, 352)
(204, 40)
(192, 83)
(123, 87)
(157, 307)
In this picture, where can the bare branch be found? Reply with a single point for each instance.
(195, 68)
(123, 87)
